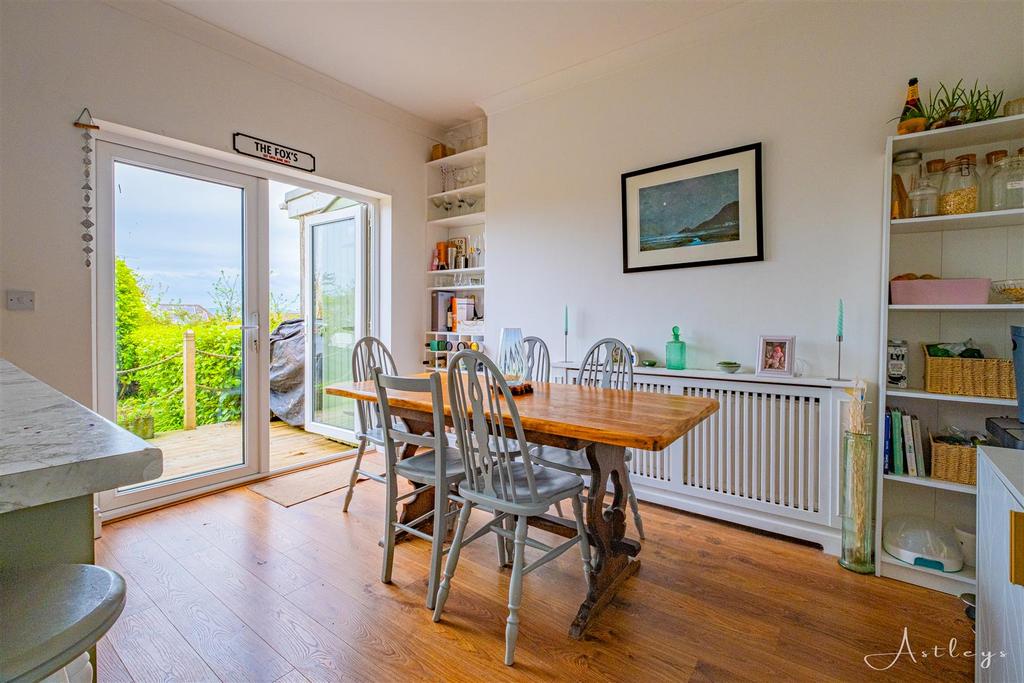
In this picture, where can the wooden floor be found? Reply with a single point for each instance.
(237, 588)
(211, 447)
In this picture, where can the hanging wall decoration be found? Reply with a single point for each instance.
(85, 122)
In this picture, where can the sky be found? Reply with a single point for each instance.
(179, 233)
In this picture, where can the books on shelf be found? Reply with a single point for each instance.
(903, 450)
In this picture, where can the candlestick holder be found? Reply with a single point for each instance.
(839, 360)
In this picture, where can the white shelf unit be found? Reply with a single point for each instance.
(984, 244)
(442, 226)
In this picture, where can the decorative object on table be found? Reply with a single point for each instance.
(729, 366)
(922, 542)
(912, 289)
(1014, 107)
(839, 344)
(896, 363)
(906, 172)
(705, 210)
(521, 389)
(961, 369)
(960, 187)
(512, 355)
(775, 356)
(675, 351)
(1011, 289)
(85, 122)
(648, 362)
(857, 505)
(912, 120)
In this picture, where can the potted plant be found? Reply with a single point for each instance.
(951, 106)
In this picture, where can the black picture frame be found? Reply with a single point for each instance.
(757, 211)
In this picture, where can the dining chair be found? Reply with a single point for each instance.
(607, 365)
(440, 468)
(538, 360)
(501, 477)
(369, 352)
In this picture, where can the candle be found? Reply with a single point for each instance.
(839, 321)
(565, 321)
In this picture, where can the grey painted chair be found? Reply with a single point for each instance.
(369, 352)
(502, 479)
(538, 360)
(606, 365)
(440, 468)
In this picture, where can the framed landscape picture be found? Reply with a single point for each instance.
(695, 212)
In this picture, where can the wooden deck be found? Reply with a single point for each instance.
(212, 447)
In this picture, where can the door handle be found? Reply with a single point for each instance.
(1017, 547)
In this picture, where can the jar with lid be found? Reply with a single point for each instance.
(1008, 183)
(906, 171)
(959, 193)
(924, 199)
(985, 179)
(934, 169)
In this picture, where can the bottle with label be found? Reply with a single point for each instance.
(675, 352)
(911, 120)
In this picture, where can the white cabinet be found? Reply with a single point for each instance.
(1000, 615)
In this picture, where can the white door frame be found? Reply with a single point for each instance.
(358, 213)
(254, 309)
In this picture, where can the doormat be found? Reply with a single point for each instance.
(297, 487)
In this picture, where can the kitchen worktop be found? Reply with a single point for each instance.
(1008, 465)
(53, 448)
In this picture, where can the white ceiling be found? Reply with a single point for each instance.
(438, 60)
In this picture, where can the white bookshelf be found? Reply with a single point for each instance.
(983, 244)
(441, 225)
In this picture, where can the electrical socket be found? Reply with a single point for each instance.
(21, 300)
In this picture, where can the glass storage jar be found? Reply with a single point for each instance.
(1013, 182)
(934, 170)
(906, 171)
(924, 201)
(959, 193)
(985, 179)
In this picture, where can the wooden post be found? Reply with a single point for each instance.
(189, 378)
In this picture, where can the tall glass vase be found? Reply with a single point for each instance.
(858, 503)
(512, 355)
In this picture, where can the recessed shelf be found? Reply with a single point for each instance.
(465, 271)
(461, 288)
(966, 575)
(967, 135)
(458, 221)
(469, 190)
(956, 307)
(462, 159)
(963, 221)
(931, 483)
(929, 396)
(479, 335)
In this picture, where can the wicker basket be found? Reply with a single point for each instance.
(958, 464)
(989, 377)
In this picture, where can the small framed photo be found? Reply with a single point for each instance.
(776, 355)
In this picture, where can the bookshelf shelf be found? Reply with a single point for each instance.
(931, 483)
(941, 245)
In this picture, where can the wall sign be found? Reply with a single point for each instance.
(272, 151)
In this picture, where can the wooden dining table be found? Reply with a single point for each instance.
(604, 422)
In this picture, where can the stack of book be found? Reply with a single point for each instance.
(904, 446)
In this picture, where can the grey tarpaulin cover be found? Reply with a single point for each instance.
(287, 371)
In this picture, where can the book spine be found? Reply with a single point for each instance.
(918, 446)
(897, 441)
(908, 445)
(887, 448)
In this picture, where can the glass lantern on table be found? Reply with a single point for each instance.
(512, 355)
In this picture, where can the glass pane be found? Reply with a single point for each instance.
(178, 315)
(334, 318)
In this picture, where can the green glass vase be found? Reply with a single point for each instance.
(858, 503)
(675, 352)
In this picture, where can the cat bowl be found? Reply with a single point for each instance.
(729, 366)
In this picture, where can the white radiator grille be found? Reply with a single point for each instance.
(759, 446)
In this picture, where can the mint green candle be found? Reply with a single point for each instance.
(839, 321)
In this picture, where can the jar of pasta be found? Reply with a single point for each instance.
(959, 193)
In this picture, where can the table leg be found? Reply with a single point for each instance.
(614, 555)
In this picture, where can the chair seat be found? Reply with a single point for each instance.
(565, 460)
(552, 486)
(420, 468)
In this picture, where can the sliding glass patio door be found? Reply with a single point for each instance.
(178, 311)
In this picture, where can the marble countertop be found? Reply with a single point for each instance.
(1009, 466)
(52, 448)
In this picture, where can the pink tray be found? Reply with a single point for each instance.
(924, 292)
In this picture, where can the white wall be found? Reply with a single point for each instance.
(815, 83)
(60, 56)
